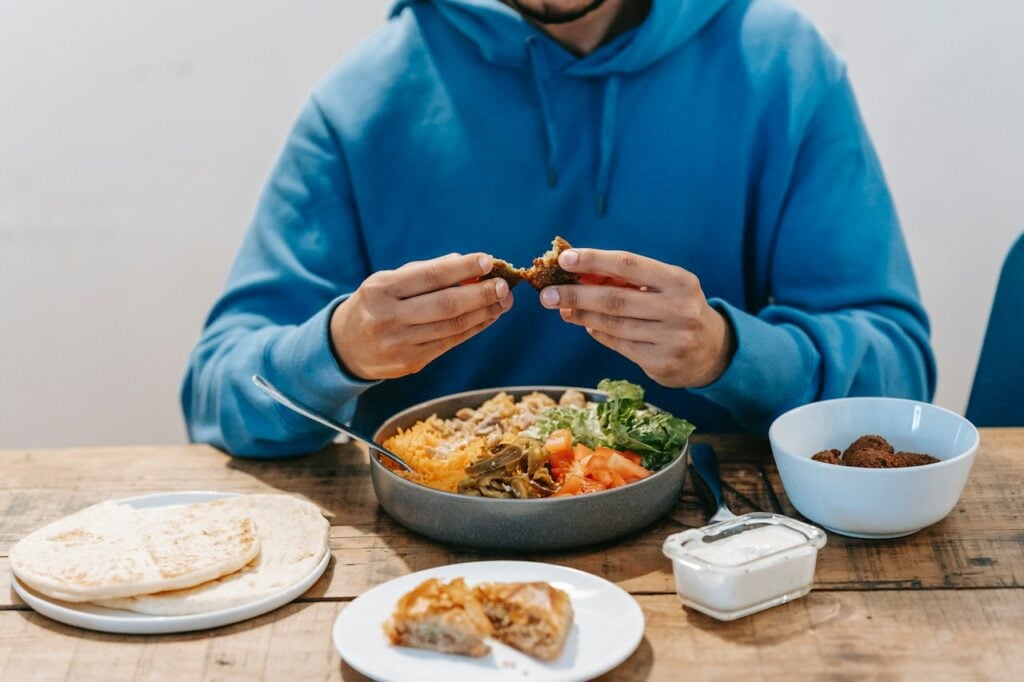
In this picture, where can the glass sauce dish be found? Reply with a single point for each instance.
(738, 567)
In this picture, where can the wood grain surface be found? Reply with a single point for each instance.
(946, 602)
(888, 635)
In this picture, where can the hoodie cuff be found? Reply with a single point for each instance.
(301, 362)
(768, 372)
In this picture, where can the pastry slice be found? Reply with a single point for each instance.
(546, 271)
(532, 617)
(440, 617)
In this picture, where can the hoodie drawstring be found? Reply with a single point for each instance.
(545, 111)
(611, 96)
(606, 138)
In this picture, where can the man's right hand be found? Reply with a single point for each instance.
(398, 321)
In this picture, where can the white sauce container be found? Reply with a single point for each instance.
(738, 567)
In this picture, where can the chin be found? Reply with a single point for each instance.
(555, 11)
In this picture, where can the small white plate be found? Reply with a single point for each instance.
(608, 626)
(93, 617)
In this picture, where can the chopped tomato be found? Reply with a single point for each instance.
(559, 440)
(632, 457)
(602, 476)
(581, 470)
(597, 462)
(581, 451)
(629, 471)
(471, 280)
(572, 485)
(560, 463)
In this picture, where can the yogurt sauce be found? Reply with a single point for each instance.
(746, 545)
(760, 560)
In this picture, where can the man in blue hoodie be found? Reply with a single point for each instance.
(708, 152)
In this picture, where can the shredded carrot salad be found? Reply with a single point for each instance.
(439, 450)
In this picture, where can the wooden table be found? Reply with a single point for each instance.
(944, 603)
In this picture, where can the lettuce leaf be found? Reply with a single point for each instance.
(621, 390)
(581, 421)
(622, 422)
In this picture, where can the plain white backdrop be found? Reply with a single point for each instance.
(135, 136)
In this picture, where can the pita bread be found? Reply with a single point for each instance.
(112, 550)
(293, 539)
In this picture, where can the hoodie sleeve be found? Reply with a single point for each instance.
(843, 316)
(300, 258)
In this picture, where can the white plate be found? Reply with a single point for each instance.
(93, 617)
(608, 626)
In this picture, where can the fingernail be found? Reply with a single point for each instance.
(549, 296)
(485, 264)
(568, 257)
(501, 288)
(506, 302)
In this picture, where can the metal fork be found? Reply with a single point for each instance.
(706, 464)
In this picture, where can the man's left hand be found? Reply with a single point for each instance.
(661, 321)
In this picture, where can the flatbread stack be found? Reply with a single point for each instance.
(187, 560)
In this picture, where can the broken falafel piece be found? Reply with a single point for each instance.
(870, 458)
(869, 442)
(506, 271)
(546, 271)
(828, 456)
(914, 459)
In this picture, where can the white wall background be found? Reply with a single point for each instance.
(134, 137)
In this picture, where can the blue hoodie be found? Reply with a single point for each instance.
(719, 136)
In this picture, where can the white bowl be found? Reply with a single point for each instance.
(873, 503)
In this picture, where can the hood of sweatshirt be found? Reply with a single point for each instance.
(504, 37)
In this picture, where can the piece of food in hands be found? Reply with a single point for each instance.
(536, 447)
(440, 616)
(454, 619)
(546, 271)
(532, 617)
(506, 271)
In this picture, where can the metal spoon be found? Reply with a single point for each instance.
(706, 463)
(276, 394)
